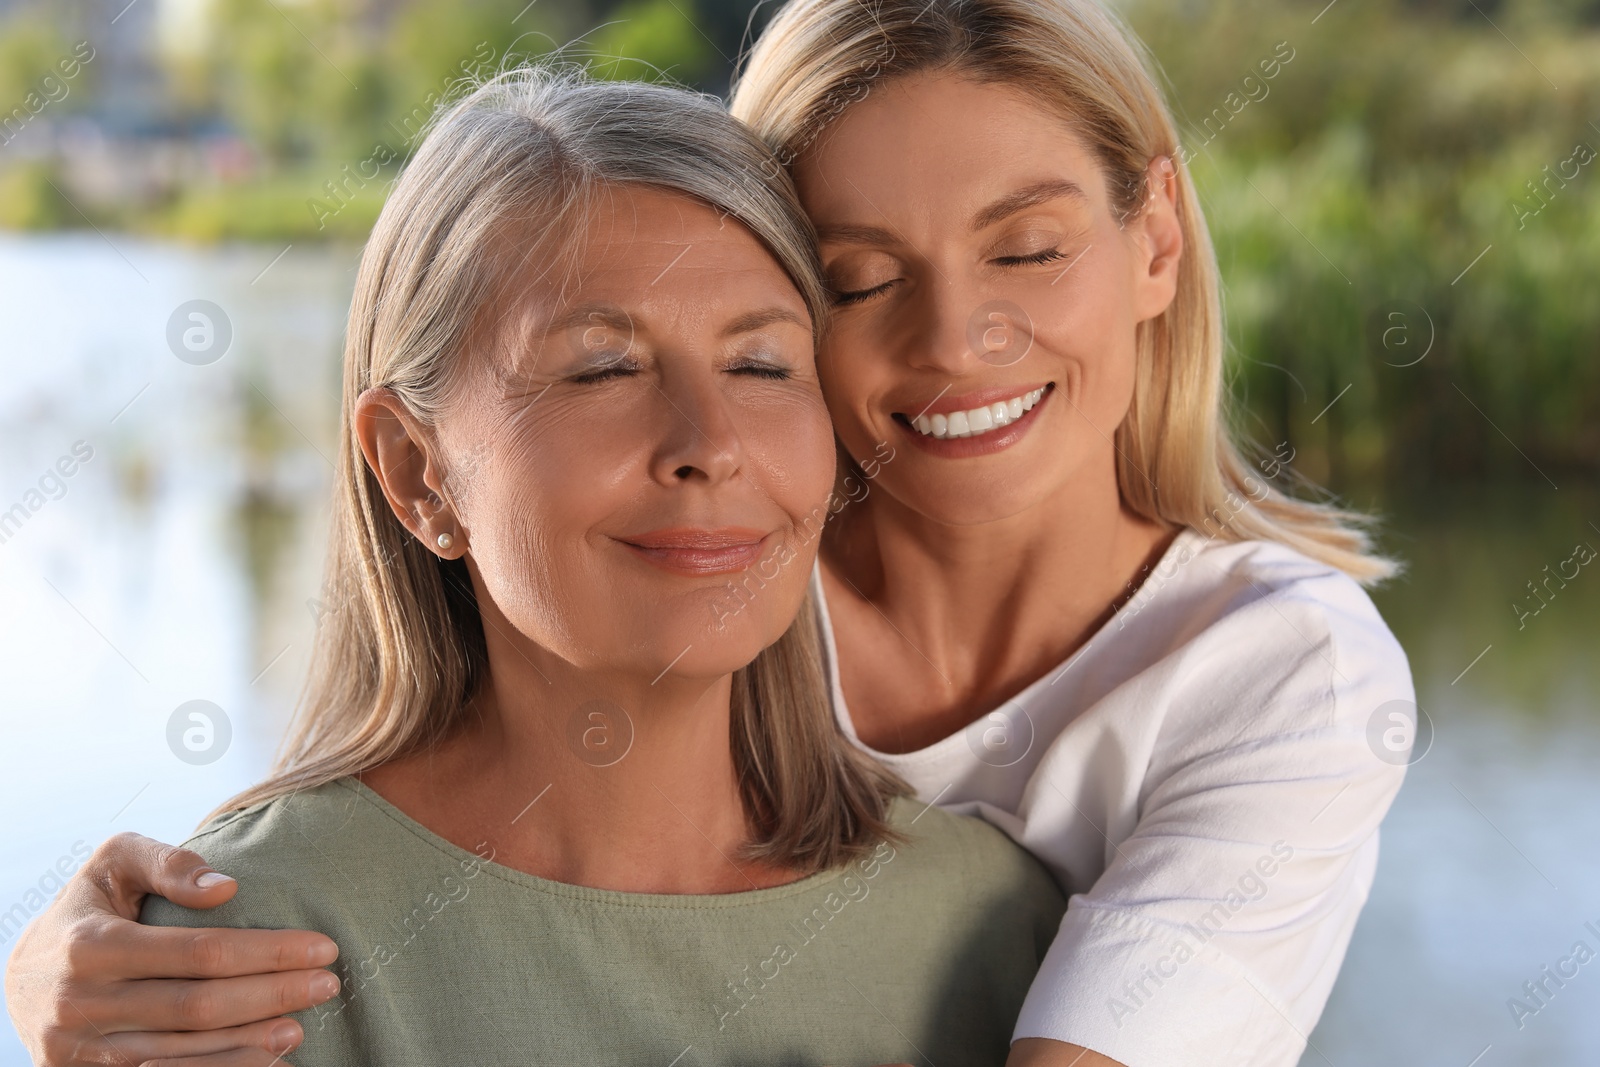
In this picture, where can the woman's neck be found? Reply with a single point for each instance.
(954, 620)
(593, 778)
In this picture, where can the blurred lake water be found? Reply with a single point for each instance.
(180, 560)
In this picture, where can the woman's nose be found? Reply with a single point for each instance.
(701, 438)
(951, 329)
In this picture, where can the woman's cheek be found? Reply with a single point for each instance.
(537, 494)
(821, 457)
(789, 442)
(845, 387)
(1111, 377)
(1085, 344)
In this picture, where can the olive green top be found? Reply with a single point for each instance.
(920, 953)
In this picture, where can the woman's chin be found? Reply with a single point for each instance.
(654, 648)
(699, 657)
(730, 643)
(976, 501)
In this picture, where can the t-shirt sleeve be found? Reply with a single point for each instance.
(1217, 929)
(1011, 884)
(278, 890)
(241, 844)
(220, 843)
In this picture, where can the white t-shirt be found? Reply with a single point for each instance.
(1205, 778)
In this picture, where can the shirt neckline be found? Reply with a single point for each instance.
(587, 894)
(943, 747)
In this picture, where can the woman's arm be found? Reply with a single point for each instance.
(1039, 1052)
(1216, 930)
(87, 984)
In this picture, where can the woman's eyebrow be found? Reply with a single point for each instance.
(590, 314)
(755, 320)
(858, 235)
(1026, 197)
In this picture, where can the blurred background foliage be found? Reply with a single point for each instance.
(1396, 148)
(1346, 195)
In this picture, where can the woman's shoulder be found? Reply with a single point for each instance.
(1262, 569)
(994, 906)
(1277, 593)
(967, 852)
(1283, 639)
(284, 826)
(283, 852)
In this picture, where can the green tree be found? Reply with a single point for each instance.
(646, 39)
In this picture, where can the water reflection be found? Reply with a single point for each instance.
(173, 564)
(1489, 869)
(178, 563)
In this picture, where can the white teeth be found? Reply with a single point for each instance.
(977, 421)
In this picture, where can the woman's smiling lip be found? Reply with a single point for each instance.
(699, 551)
(945, 402)
(991, 440)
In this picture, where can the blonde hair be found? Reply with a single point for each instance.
(401, 649)
(1176, 460)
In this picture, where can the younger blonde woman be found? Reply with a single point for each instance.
(1070, 604)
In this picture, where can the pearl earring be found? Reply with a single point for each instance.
(444, 541)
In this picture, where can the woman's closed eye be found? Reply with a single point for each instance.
(861, 274)
(844, 297)
(756, 357)
(1048, 255)
(760, 369)
(606, 369)
(627, 367)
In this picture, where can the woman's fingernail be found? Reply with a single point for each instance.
(324, 985)
(207, 879)
(283, 1037)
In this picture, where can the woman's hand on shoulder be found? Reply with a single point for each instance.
(88, 984)
(239, 1057)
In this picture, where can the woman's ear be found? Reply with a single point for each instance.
(1158, 235)
(401, 455)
